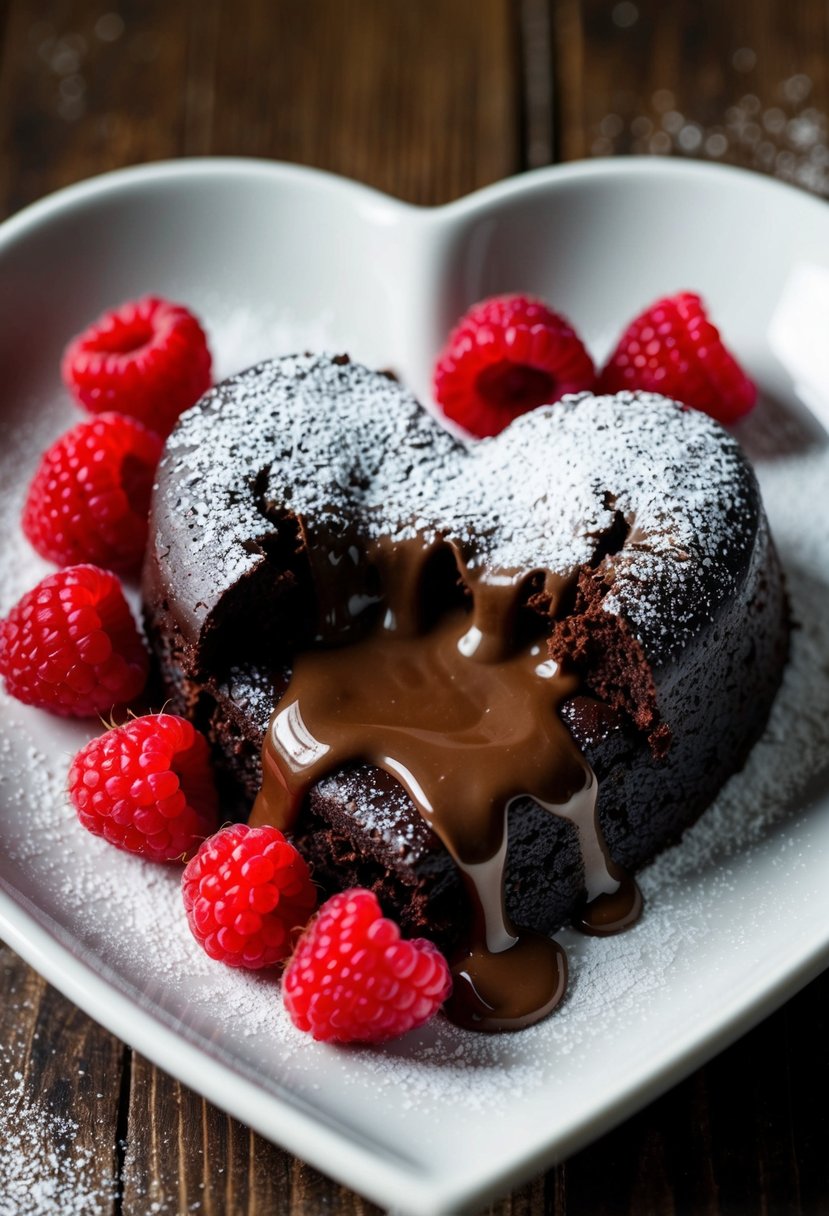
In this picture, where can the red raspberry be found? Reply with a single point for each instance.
(353, 979)
(148, 358)
(90, 497)
(672, 348)
(248, 895)
(506, 356)
(147, 787)
(71, 646)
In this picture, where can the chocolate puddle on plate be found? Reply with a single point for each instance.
(462, 710)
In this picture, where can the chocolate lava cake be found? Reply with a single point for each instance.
(630, 533)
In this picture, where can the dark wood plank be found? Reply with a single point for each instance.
(695, 78)
(185, 1155)
(421, 100)
(86, 89)
(60, 1080)
(416, 99)
(538, 91)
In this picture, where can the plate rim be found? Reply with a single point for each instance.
(524, 183)
(329, 1147)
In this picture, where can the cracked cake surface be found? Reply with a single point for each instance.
(668, 604)
(347, 449)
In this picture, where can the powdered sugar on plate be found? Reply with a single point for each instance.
(123, 916)
(245, 336)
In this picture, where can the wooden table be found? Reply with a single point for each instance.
(428, 100)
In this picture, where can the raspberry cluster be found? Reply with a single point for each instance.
(70, 645)
(511, 354)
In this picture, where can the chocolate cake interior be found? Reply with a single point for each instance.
(632, 530)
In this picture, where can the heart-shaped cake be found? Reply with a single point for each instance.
(490, 677)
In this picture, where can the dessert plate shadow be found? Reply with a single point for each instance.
(277, 258)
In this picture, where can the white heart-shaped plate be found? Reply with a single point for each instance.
(276, 258)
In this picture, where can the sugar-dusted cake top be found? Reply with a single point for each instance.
(660, 495)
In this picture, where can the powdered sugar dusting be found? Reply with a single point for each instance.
(348, 453)
(792, 755)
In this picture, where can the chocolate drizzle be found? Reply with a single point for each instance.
(462, 711)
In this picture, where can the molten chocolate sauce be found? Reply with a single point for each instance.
(465, 717)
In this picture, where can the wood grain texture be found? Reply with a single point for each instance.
(422, 100)
(60, 1077)
(427, 100)
(78, 101)
(631, 76)
(416, 99)
(184, 1155)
